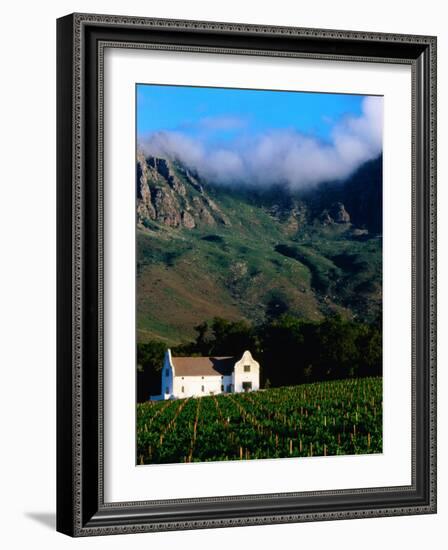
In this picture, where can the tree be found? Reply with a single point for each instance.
(150, 357)
(339, 353)
(281, 341)
(232, 337)
(370, 343)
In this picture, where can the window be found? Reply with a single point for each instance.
(246, 368)
(167, 372)
(247, 386)
(222, 387)
(202, 388)
(183, 389)
(167, 390)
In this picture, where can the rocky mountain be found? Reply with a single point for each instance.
(361, 195)
(169, 194)
(237, 252)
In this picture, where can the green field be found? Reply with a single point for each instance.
(327, 418)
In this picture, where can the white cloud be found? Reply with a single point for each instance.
(277, 156)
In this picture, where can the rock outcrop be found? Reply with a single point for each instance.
(339, 213)
(293, 216)
(145, 208)
(169, 194)
(335, 214)
(166, 206)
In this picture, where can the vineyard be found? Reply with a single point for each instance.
(322, 419)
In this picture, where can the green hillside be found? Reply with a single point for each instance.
(205, 251)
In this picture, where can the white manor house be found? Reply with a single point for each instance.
(200, 376)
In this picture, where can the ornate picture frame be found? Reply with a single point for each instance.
(81, 506)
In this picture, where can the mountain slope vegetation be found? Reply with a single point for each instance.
(242, 253)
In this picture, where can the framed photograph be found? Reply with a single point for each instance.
(246, 274)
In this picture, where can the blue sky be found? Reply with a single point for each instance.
(260, 137)
(182, 108)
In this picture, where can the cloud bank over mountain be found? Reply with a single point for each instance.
(264, 158)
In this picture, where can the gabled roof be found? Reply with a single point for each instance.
(203, 366)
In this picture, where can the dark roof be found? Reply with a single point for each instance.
(203, 366)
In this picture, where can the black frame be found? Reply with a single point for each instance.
(81, 510)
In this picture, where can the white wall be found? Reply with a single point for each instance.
(27, 232)
(166, 379)
(241, 376)
(193, 385)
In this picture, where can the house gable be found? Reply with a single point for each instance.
(246, 375)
